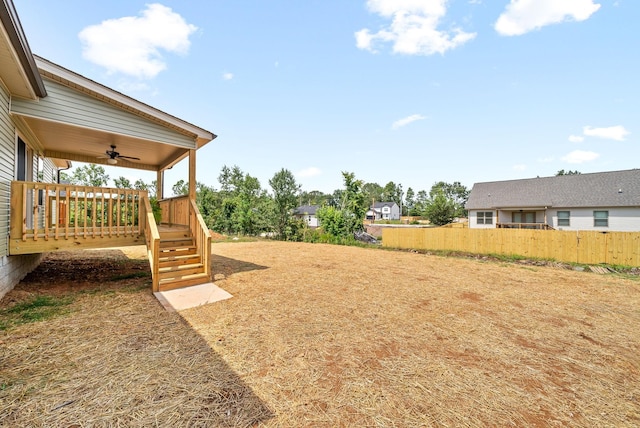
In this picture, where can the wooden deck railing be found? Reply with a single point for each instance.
(201, 235)
(535, 226)
(175, 211)
(152, 239)
(46, 217)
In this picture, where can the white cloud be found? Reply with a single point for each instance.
(580, 156)
(522, 16)
(133, 44)
(227, 76)
(413, 29)
(519, 167)
(309, 172)
(407, 120)
(611, 133)
(547, 159)
(576, 138)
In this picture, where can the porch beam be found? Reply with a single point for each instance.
(173, 161)
(160, 184)
(93, 159)
(192, 175)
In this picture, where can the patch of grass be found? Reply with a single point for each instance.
(130, 275)
(39, 308)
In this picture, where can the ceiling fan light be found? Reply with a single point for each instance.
(112, 161)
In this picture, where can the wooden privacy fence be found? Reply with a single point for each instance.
(586, 247)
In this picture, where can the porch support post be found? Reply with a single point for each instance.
(160, 184)
(192, 174)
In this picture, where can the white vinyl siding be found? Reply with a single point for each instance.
(620, 219)
(7, 165)
(66, 105)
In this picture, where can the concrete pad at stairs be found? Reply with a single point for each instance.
(191, 297)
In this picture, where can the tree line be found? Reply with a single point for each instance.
(241, 206)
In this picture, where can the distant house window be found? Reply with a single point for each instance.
(601, 218)
(485, 217)
(564, 218)
(386, 209)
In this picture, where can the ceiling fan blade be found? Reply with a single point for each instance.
(128, 157)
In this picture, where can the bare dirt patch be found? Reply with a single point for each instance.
(320, 335)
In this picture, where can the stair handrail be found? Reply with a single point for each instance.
(152, 239)
(200, 232)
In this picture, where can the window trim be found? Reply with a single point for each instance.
(604, 219)
(483, 216)
(562, 220)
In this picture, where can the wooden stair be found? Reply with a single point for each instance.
(179, 262)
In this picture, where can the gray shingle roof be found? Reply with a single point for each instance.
(383, 204)
(602, 189)
(306, 210)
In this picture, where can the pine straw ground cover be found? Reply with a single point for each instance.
(107, 354)
(320, 335)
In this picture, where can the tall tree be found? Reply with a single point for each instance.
(122, 183)
(455, 192)
(285, 198)
(568, 172)
(347, 216)
(90, 175)
(180, 188)
(440, 210)
(422, 199)
(409, 201)
(392, 192)
(244, 207)
(373, 192)
(314, 197)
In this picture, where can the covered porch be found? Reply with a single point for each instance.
(81, 120)
(534, 217)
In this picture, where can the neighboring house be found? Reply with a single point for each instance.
(384, 211)
(604, 201)
(49, 116)
(308, 214)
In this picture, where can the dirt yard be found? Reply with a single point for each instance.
(324, 336)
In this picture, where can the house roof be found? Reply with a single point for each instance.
(602, 189)
(306, 210)
(17, 66)
(383, 204)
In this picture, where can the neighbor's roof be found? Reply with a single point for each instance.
(383, 204)
(306, 210)
(602, 189)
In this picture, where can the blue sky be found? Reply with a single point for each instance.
(410, 91)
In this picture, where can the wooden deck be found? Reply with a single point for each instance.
(53, 217)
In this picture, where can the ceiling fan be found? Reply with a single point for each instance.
(112, 156)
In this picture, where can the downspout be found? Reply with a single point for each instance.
(63, 169)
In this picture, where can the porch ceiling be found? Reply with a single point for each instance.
(68, 142)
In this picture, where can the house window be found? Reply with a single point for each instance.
(564, 218)
(484, 217)
(601, 218)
